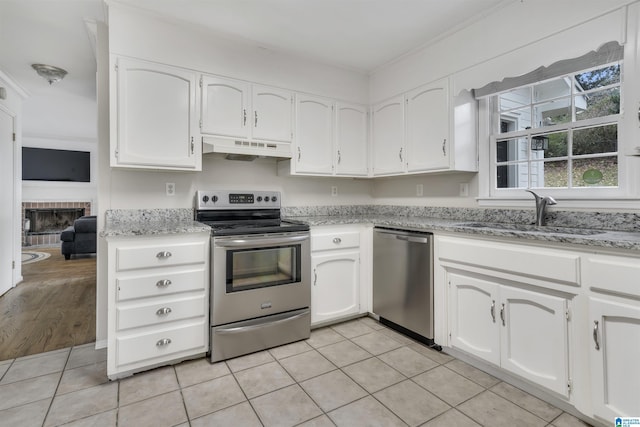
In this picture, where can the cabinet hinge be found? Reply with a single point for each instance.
(449, 335)
(200, 81)
(192, 146)
(567, 314)
(115, 67)
(200, 124)
(569, 385)
(14, 137)
(13, 265)
(117, 154)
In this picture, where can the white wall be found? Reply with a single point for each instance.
(511, 41)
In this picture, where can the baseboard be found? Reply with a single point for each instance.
(101, 344)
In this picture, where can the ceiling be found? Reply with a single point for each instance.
(357, 34)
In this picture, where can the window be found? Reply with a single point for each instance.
(560, 133)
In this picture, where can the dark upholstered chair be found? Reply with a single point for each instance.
(79, 238)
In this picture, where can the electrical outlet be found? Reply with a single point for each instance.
(171, 188)
(464, 189)
(419, 190)
(334, 191)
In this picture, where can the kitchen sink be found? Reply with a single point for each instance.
(531, 228)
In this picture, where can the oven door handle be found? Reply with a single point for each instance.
(252, 242)
(240, 329)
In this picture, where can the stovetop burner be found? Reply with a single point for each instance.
(238, 213)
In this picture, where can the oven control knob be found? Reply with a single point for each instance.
(214, 198)
(205, 199)
(259, 198)
(266, 199)
(273, 199)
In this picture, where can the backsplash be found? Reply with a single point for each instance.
(576, 219)
(119, 216)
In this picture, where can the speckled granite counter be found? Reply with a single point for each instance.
(148, 222)
(600, 238)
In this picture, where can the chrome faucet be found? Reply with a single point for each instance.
(541, 205)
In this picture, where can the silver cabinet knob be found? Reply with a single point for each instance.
(337, 240)
(163, 254)
(163, 283)
(163, 311)
(163, 342)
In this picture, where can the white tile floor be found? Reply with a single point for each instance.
(357, 373)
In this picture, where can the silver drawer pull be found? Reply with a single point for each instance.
(337, 240)
(595, 334)
(163, 311)
(163, 283)
(163, 342)
(163, 254)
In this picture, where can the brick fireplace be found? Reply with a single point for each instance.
(48, 219)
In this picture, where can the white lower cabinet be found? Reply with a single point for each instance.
(157, 301)
(615, 358)
(336, 273)
(522, 331)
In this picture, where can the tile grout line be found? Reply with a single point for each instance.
(245, 394)
(55, 392)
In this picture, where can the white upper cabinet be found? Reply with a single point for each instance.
(389, 156)
(237, 109)
(271, 116)
(351, 140)
(427, 135)
(225, 106)
(313, 152)
(425, 130)
(153, 116)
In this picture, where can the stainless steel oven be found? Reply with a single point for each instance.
(260, 291)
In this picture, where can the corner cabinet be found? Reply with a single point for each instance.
(337, 273)
(330, 138)
(158, 299)
(153, 116)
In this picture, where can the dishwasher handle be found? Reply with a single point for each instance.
(413, 239)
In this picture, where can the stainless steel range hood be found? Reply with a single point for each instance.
(245, 150)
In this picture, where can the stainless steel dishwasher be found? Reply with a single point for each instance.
(403, 281)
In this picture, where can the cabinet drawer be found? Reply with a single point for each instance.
(161, 344)
(556, 265)
(613, 274)
(321, 242)
(159, 312)
(160, 255)
(157, 284)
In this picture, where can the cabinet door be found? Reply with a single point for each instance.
(271, 117)
(154, 116)
(225, 107)
(335, 285)
(351, 140)
(534, 340)
(474, 316)
(389, 156)
(314, 124)
(428, 128)
(614, 354)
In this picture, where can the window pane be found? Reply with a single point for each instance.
(552, 174)
(552, 113)
(602, 139)
(599, 78)
(515, 98)
(512, 176)
(515, 120)
(511, 150)
(549, 145)
(598, 172)
(552, 89)
(598, 104)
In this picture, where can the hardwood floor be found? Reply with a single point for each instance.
(54, 307)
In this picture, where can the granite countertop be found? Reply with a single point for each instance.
(627, 240)
(150, 222)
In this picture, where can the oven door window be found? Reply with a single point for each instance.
(262, 267)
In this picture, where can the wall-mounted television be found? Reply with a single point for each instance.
(44, 164)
